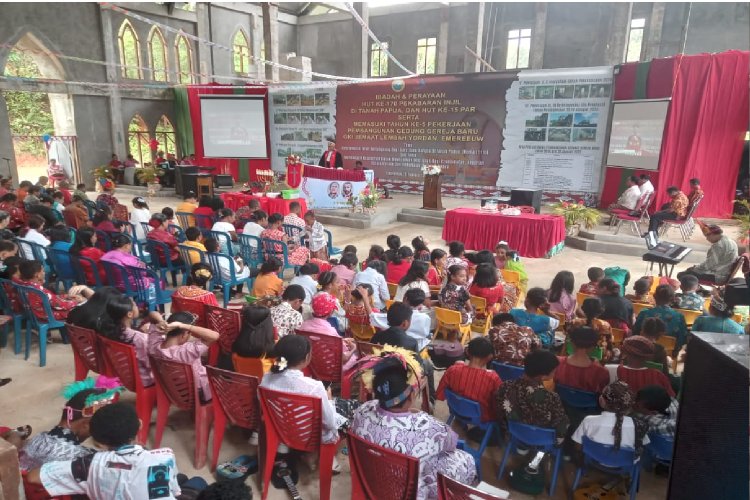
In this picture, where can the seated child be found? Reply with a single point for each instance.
(657, 410)
(324, 305)
(81, 191)
(316, 237)
(456, 256)
(595, 274)
(642, 292)
(689, 298)
(241, 272)
(286, 316)
(511, 342)
(614, 427)
(420, 327)
(421, 251)
(268, 281)
(536, 315)
(652, 329)
(194, 239)
(454, 294)
(114, 428)
(306, 279)
(32, 275)
(472, 379)
(177, 346)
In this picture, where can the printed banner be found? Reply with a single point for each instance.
(555, 130)
(322, 193)
(302, 120)
(397, 127)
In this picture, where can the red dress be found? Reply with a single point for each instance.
(163, 236)
(394, 272)
(637, 379)
(60, 305)
(493, 296)
(434, 277)
(94, 254)
(593, 378)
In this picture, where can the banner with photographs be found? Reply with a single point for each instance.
(301, 121)
(555, 130)
(323, 193)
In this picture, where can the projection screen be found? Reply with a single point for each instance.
(234, 126)
(636, 134)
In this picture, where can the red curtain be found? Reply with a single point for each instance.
(705, 127)
(223, 165)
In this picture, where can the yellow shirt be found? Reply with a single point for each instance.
(267, 284)
(189, 208)
(195, 257)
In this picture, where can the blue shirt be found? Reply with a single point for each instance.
(62, 263)
(717, 325)
(542, 325)
(675, 322)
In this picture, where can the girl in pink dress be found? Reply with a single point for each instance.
(298, 255)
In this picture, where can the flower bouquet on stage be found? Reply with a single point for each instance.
(431, 198)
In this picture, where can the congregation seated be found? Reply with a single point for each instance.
(511, 342)
(298, 254)
(317, 239)
(268, 282)
(688, 298)
(653, 329)
(592, 309)
(329, 283)
(595, 275)
(393, 242)
(360, 305)
(536, 316)
(140, 215)
(286, 316)
(420, 325)
(374, 275)
(92, 314)
(455, 295)
(415, 278)
(657, 410)
(488, 285)
(636, 350)
(187, 206)
(160, 233)
(399, 264)
(241, 272)
(618, 311)
(293, 219)
(560, 296)
(641, 292)
(376, 252)
(324, 305)
(85, 246)
(122, 254)
(107, 197)
(456, 257)
(421, 251)
(43, 208)
(34, 228)
(225, 224)
(102, 220)
(32, 275)
(719, 318)
(346, 269)
(527, 401)
(78, 212)
(305, 278)
(437, 273)
(472, 380)
(578, 370)
(390, 421)
(674, 320)
(505, 258)
(205, 208)
(195, 289)
(256, 337)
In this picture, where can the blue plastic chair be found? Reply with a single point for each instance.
(103, 240)
(332, 250)
(507, 372)
(469, 413)
(293, 232)
(153, 296)
(185, 219)
(203, 222)
(622, 462)
(42, 307)
(118, 277)
(34, 251)
(90, 207)
(576, 398)
(187, 252)
(225, 241)
(534, 437)
(7, 307)
(269, 250)
(146, 228)
(80, 274)
(215, 260)
(250, 250)
(168, 266)
(177, 232)
(659, 449)
(60, 262)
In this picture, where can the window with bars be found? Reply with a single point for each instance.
(426, 55)
(157, 51)
(378, 60)
(635, 39)
(241, 59)
(166, 136)
(184, 54)
(138, 140)
(519, 47)
(130, 52)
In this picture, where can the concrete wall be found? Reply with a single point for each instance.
(93, 125)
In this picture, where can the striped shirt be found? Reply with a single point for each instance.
(476, 384)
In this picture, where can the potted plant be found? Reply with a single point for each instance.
(369, 198)
(742, 207)
(149, 175)
(577, 215)
(103, 172)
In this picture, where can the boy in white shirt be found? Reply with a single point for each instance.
(317, 240)
(124, 470)
(420, 326)
(306, 279)
(257, 224)
(34, 234)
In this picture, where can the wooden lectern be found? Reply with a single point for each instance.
(431, 199)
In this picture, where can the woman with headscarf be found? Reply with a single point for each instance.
(719, 319)
(636, 350)
(614, 427)
(390, 421)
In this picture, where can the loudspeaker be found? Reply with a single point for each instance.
(526, 197)
(222, 180)
(178, 180)
(711, 445)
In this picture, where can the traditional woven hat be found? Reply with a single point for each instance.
(638, 346)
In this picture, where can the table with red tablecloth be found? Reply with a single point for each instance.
(268, 205)
(532, 235)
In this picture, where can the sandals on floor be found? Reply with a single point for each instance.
(239, 468)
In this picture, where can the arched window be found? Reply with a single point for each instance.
(241, 53)
(138, 140)
(184, 59)
(165, 136)
(157, 52)
(130, 52)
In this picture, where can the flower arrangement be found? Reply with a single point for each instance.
(577, 214)
(103, 172)
(368, 199)
(293, 160)
(432, 169)
(149, 174)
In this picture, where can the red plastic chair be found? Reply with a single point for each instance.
(450, 489)
(379, 473)
(86, 352)
(296, 421)
(37, 491)
(180, 304)
(235, 399)
(227, 323)
(175, 385)
(326, 364)
(122, 360)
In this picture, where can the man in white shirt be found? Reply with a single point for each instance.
(374, 275)
(628, 200)
(125, 470)
(34, 235)
(421, 323)
(257, 224)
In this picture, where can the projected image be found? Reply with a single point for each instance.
(560, 119)
(636, 134)
(558, 135)
(235, 127)
(539, 120)
(586, 120)
(535, 134)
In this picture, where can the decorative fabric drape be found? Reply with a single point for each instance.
(184, 128)
(705, 126)
(332, 174)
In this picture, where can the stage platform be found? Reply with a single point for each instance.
(602, 240)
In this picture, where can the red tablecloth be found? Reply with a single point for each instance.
(333, 174)
(268, 205)
(532, 235)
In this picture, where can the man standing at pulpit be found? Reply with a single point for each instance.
(331, 158)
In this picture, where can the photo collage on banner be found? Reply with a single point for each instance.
(555, 130)
(301, 121)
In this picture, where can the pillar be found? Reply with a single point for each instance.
(6, 144)
(653, 35)
(442, 42)
(362, 45)
(119, 138)
(480, 33)
(618, 33)
(538, 36)
(256, 30)
(271, 37)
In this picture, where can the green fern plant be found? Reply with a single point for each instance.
(577, 213)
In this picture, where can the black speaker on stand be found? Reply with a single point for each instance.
(179, 183)
(711, 443)
(526, 197)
